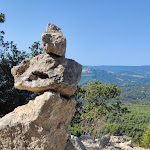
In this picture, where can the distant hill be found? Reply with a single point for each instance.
(137, 69)
(110, 76)
(135, 88)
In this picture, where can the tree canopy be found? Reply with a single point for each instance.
(2, 18)
(11, 56)
(93, 98)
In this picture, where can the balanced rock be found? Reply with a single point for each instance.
(45, 72)
(54, 41)
(39, 125)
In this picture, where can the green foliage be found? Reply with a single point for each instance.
(35, 49)
(96, 94)
(9, 96)
(10, 56)
(132, 124)
(94, 97)
(146, 138)
(136, 94)
(76, 129)
(2, 18)
(75, 126)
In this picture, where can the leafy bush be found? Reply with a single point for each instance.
(146, 138)
(92, 106)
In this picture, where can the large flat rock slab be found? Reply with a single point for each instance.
(45, 72)
(54, 41)
(39, 125)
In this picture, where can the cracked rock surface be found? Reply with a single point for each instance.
(42, 123)
(54, 41)
(45, 72)
(39, 125)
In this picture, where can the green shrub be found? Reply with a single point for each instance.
(146, 138)
(76, 130)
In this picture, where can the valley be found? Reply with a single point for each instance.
(134, 83)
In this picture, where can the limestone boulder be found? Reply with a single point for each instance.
(74, 143)
(89, 143)
(45, 72)
(39, 125)
(104, 140)
(54, 41)
(87, 139)
(117, 139)
(111, 148)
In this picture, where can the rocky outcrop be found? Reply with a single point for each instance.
(54, 41)
(74, 144)
(87, 139)
(107, 142)
(104, 140)
(42, 123)
(89, 142)
(46, 72)
(39, 125)
(119, 139)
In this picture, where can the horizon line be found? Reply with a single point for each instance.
(117, 65)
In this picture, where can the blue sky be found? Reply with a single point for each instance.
(98, 32)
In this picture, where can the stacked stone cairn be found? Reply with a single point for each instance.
(42, 123)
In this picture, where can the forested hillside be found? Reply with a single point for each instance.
(137, 69)
(120, 78)
(132, 124)
(136, 94)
